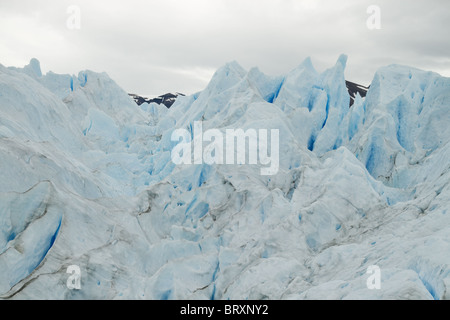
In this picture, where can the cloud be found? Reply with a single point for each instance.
(157, 46)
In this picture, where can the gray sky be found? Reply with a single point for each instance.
(158, 46)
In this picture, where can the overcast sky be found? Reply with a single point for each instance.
(158, 46)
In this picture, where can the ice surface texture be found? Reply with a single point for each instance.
(87, 180)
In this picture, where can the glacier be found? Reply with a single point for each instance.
(87, 180)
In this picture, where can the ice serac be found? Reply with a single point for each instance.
(34, 68)
(318, 104)
(87, 180)
(405, 114)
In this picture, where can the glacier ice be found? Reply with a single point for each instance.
(87, 180)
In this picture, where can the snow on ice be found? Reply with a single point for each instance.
(87, 180)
